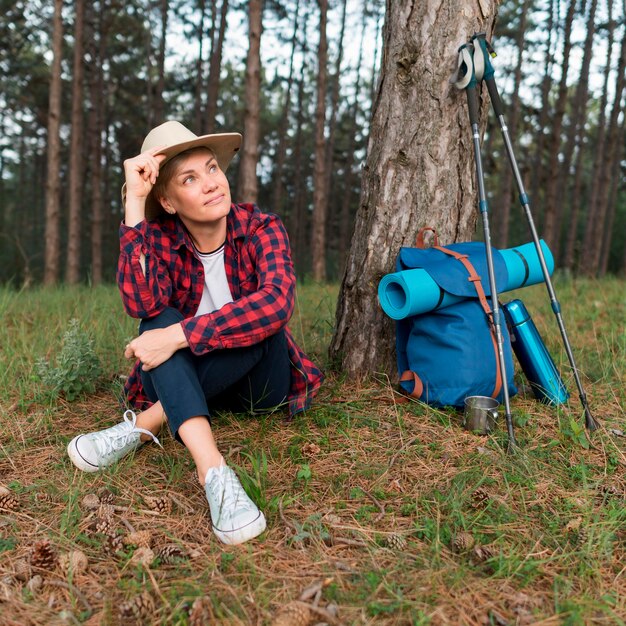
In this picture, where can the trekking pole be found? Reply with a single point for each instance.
(484, 70)
(468, 82)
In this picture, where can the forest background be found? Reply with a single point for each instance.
(81, 83)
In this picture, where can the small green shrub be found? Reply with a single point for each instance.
(75, 370)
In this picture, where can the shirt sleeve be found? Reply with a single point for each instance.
(142, 295)
(261, 314)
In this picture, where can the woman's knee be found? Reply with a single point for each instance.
(167, 317)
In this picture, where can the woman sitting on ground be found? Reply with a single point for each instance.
(213, 284)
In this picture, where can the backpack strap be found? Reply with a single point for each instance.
(418, 385)
(419, 240)
(474, 278)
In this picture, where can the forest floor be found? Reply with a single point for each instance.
(380, 510)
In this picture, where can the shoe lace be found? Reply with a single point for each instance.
(117, 439)
(228, 491)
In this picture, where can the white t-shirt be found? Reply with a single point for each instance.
(216, 292)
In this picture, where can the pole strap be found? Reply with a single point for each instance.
(465, 68)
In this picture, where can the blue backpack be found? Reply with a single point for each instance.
(450, 353)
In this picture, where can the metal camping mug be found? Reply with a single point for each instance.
(480, 414)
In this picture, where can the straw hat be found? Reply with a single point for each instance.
(177, 139)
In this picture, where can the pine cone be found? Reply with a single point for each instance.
(139, 538)
(396, 541)
(582, 536)
(142, 556)
(22, 570)
(42, 496)
(171, 553)
(201, 612)
(160, 504)
(74, 561)
(113, 543)
(101, 525)
(310, 450)
(484, 553)
(139, 609)
(106, 511)
(293, 614)
(480, 497)
(463, 542)
(90, 502)
(43, 556)
(106, 496)
(8, 502)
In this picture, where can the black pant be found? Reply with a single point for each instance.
(254, 378)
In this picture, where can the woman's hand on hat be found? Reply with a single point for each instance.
(141, 172)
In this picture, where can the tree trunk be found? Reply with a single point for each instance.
(95, 121)
(334, 90)
(346, 212)
(318, 234)
(74, 234)
(297, 218)
(538, 171)
(506, 189)
(419, 169)
(53, 217)
(572, 229)
(281, 149)
(197, 103)
(612, 205)
(574, 140)
(611, 154)
(550, 225)
(159, 105)
(214, 70)
(248, 183)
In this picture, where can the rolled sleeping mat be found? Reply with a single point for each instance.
(414, 291)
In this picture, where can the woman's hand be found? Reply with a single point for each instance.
(141, 173)
(154, 347)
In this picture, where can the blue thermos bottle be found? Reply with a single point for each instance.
(533, 356)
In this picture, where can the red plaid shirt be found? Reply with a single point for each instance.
(262, 282)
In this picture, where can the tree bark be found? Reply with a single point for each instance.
(53, 216)
(74, 235)
(215, 65)
(419, 169)
(550, 225)
(248, 183)
(318, 234)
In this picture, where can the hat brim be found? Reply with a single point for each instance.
(223, 145)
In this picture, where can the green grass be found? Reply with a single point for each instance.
(337, 484)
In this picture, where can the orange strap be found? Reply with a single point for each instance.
(474, 278)
(418, 386)
(419, 240)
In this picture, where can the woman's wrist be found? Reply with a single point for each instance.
(134, 210)
(178, 336)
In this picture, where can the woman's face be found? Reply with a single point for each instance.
(198, 191)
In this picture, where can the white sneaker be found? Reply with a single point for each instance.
(93, 451)
(235, 517)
